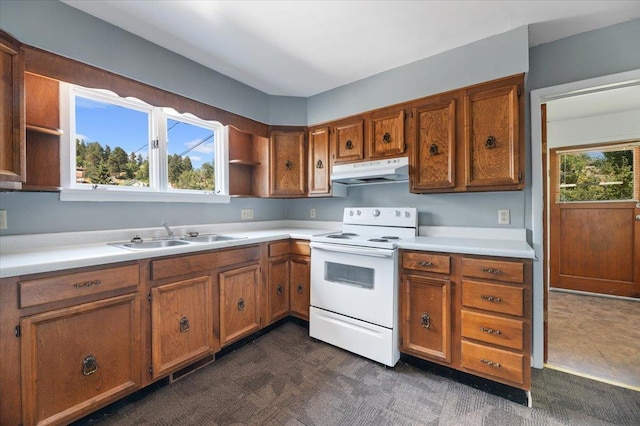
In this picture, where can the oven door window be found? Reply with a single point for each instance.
(341, 273)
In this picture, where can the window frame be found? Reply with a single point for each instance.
(158, 189)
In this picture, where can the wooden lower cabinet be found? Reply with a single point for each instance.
(239, 303)
(300, 286)
(426, 317)
(78, 359)
(470, 313)
(278, 289)
(181, 324)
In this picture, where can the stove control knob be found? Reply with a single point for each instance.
(407, 214)
(359, 212)
(375, 212)
(350, 212)
(397, 213)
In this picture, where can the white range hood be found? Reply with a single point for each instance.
(369, 172)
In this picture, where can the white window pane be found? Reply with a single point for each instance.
(112, 144)
(190, 156)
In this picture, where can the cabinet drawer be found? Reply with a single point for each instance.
(61, 287)
(500, 298)
(300, 247)
(279, 248)
(500, 270)
(428, 262)
(492, 329)
(493, 362)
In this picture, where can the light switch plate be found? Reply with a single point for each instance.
(3, 219)
(312, 213)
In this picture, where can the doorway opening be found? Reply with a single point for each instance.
(589, 151)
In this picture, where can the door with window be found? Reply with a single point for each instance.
(595, 219)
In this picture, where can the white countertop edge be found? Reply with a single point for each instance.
(475, 246)
(519, 234)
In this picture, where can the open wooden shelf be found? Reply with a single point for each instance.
(240, 162)
(44, 129)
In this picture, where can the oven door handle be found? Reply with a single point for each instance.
(363, 251)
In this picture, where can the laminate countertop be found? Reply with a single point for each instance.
(30, 254)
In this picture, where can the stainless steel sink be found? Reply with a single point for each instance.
(210, 238)
(146, 245)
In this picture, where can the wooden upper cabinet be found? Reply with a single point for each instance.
(433, 159)
(348, 141)
(13, 167)
(493, 134)
(386, 134)
(319, 162)
(287, 163)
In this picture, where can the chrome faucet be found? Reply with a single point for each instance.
(169, 231)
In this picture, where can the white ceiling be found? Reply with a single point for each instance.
(301, 48)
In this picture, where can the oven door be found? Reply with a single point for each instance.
(358, 282)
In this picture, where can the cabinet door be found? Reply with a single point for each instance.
(278, 288)
(426, 317)
(181, 324)
(239, 303)
(288, 163)
(319, 173)
(492, 137)
(434, 154)
(300, 278)
(348, 142)
(387, 135)
(76, 360)
(13, 166)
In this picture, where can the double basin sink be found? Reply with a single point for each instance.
(173, 242)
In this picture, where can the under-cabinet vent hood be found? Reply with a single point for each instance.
(368, 172)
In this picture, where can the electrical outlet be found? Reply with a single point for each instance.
(503, 217)
(312, 213)
(3, 219)
(246, 214)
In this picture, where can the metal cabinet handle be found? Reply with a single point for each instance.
(490, 298)
(491, 271)
(299, 288)
(433, 149)
(490, 143)
(319, 165)
(425, 320)
(241, 304)
(348, 144)
(280, 290)
(87, 284)
(490, 330)
(184, 325)
(425, 264)
(386, 138)
(490, 363)
(89, 365)
(638, 217)
(288, 165)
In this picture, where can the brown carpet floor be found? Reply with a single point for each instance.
(286, 378)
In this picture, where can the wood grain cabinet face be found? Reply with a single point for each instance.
(181, 324)
(278, 289)
(348, 141)
(387, 134)
(426, 317)
(13, 167)
(319, 162)
(239, 303)
(78, 359)
(299, 290)
(288, 164)
(492, 137)
(433, 161)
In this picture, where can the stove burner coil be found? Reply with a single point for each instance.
(378, 240)
(390, 237)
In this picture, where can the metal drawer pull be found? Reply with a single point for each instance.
(490, 363)
(490, 298)
(280, 290)
(241, 304)
(288, 165)
(89, 365)
(87, 284)
(348, 145)
(490, 143)
(491, 270)
(425, 320)
(490, 330)
(299, 288)
(184, 325)
(386, 138)
(425, 264)
(433, 149)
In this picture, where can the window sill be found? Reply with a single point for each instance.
(106, 195)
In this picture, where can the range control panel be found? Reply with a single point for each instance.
(381, 216)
